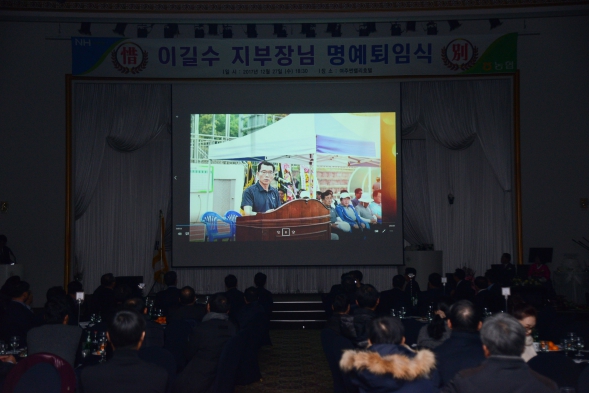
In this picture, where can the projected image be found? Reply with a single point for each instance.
(288, 177)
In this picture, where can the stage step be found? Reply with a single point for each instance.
(297, 311)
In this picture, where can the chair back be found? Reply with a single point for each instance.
(333, 346)
(40, 378)
(231, 216)
(211, 220)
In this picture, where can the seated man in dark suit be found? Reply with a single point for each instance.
(104, 300)
(464, 348)
(264, 295)
(504, 370)
(56, 336)
(481, 299)
(433, 295)
(125, 372)
(463, 289)
(507, 270)
(154, 332)
(18, 317)
(252, 312)
(393, 298)
(205, 347)
(168, 299)
(234, 295)
(367, 301)
(189, 309)
(495, 301)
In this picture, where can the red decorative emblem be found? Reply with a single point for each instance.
(460, 54)
(129, 58)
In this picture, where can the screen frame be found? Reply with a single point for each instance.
(287, 96)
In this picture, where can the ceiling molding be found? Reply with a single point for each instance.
(273, 7)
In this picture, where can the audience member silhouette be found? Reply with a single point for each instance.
(205, 347)
(463, 289)
(464, 348)
(154, 332)
(168, 299)
(234, 295)
(393, 299)
(18, 317)
(56, 336)
(125, 372)
(104, 300)
(503, 341)
(341, 321)
(388, 365)
(367, 301)
(189, 309)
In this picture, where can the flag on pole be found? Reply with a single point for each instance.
(159, 262)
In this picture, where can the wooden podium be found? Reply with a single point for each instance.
(301, 219)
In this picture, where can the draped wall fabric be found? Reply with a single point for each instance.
(123, 167)
(117, 230)
(417, 222)
(468, 153)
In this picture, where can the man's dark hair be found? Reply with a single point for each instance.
(524, 310)
(56, 309)
(375, 193)
(357, 190)
(460, 274)
(503, 335)
(136, 304)
(367, 296)
(265, 163)
(3, 238)
(481, 282)
(122, 293)
(107, 279)
(187, 295)
(125, 329)
(230, 281)
(386, 330)
(357, 274)
(219, 303)
(437, 326)
(398, 281)
(507, 256)
(435, 279)
(15, 291)
(410, 270)
(492, 276)
(251, 294)
(341, 303)
(260, 279)
(464, 317)
(74, 287)
(170, 278)
(348, 283)
(55, 291)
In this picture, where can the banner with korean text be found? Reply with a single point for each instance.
(275, 58)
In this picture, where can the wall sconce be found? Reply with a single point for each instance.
(3, 207)
(451, 199)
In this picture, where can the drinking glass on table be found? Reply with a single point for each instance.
(393, 312)
(2, 348)
(402, 313)
(14, 342)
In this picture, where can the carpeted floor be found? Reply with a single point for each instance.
(295, 363)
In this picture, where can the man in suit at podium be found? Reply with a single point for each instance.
(261, 197)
